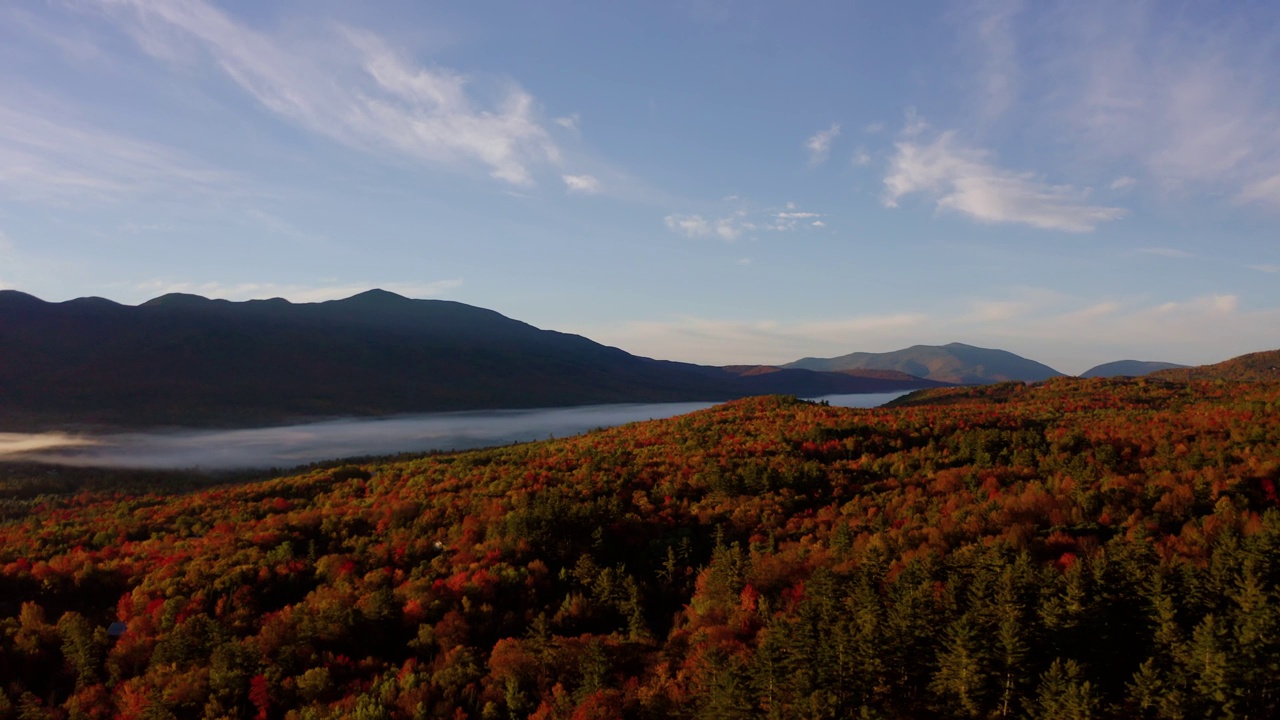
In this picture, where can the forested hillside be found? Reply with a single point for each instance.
(1128, 368)
(1263, 366)
(1078, 549)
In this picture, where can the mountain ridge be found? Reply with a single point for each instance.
(183, 359)
(955, 363)
(1129, 368)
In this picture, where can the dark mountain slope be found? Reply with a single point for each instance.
(953, 363)
(188, 360)
(1128, 368)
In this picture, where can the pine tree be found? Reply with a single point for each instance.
(961, 678)
(1063, 694)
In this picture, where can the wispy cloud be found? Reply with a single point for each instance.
(1124, 182)
(569, 122)
(819, 144)
(1266, 268)
(744, 218)
(1190, 105)
(791, 219)
(1165, 252)
(964, 179)
(697, 226)
(356, 89)
(294, 293)
(585, 184)
(63, 161)
(992, 32)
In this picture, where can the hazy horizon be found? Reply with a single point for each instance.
(1073, 371)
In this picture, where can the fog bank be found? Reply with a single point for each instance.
(292, 445)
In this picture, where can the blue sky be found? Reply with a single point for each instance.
(711, 181)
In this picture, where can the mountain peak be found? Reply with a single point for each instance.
(955, 362)
(376, 296)
(17, 296)
(177, 300)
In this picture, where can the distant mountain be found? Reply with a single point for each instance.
(954, 363)
(1128, 368)
(187, 360)
(1259, 366)
(771, 380)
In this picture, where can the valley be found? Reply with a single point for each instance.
(967, 551)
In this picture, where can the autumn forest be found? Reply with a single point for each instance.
(1072, 549)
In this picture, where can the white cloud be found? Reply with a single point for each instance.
(861, 157)
(964, 180)
(1266, 268)
(293, 293)
(1124, 182)
(585, 184)
(745, 218)
(570, 122)
(688, 225)
(874, 128)
(790, 220)
(819, 145)
(60, 162)
(355, 89)
(696, 226)
(728, 229)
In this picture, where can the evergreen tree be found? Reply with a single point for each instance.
(1063, 694)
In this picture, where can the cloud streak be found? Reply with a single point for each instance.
(62, 162)
(582, 184)
(964, 179)
(819, 144)
(355, 89)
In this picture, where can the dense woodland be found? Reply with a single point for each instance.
(1076, 549)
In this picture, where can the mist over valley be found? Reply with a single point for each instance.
(292, 445)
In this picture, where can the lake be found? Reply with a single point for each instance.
(292, 445)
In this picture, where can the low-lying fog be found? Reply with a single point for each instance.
(293, 445)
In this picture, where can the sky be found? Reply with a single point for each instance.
(712, 181)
